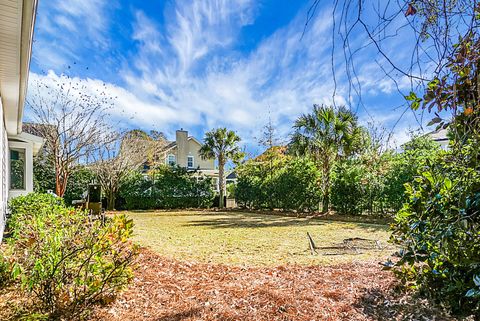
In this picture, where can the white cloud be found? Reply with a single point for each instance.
(283, 72)
(65, 28)
(187, 73)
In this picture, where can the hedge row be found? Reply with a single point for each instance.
(371, 183)
(165, 188)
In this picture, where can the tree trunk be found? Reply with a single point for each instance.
(111, 201)
(221, 182)
(326, 186)
(61, 178)
(325, 202)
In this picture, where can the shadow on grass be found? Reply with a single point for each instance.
(253, 220)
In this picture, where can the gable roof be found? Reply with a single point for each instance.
(174, 144)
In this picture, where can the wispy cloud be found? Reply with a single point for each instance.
(186, 71)
(65, 29)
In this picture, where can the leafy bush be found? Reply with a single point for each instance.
(24, 208)
(78, 183)
(295, 187)
(283, 183)
(348, 188)
(438, 229)
(166, 187)
(68, 261)
(374, 184)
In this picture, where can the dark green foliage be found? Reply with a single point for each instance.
(66, 260)
(44, 179)
(374, 184)
(439, 229)
(288, 184)
(43, 174)
(166, 187)
(78, 183)
(295, 187)
(348, 188)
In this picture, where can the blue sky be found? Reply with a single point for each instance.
(202, 64)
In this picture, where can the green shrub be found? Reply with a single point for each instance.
(348, 188)
(68, 261)
(166, 188)
(26, 208)
(252, 187)
(295, 187)
(287, 184)
(78, 183)
(439, 229)
(374, 184)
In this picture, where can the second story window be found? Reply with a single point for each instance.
(190, 162)
(171, 160)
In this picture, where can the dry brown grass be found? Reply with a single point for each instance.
(255, 239)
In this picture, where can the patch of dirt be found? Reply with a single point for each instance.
(166, 289)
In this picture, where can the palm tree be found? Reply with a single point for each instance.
(326, 135)
(221, 144)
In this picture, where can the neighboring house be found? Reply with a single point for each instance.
(17, 19)
(184, 152)
(231, 178)
(440, 136)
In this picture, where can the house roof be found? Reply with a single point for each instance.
(36, 141)
(232, 175)
(438, 135)
(173, 144)
(17, 19)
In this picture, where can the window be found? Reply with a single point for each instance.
(171, 160)
(190, 162)
(17, 169)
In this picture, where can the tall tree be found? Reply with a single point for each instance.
(120, 154)
(221, 144)
(71, 119)
(326, 135)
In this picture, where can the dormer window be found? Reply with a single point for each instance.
(171, 160)
(190, 162)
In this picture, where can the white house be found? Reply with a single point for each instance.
(440, 136)
(17, 19)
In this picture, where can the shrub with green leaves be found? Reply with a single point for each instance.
(373, 183)
(64, 258)
(166, 187)
(278, 182)
(438, 229)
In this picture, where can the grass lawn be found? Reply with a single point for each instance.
(254, 239)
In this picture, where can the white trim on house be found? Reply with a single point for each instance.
(169, 162)
(17, 20)
(195, 140)
(16, 34)
(193, 161)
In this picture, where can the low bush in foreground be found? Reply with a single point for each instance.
(64, 258)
